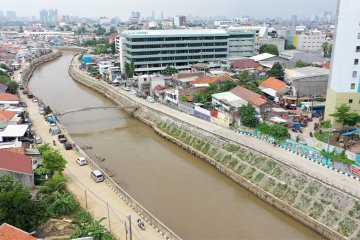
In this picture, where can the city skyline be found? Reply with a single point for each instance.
(123, 9)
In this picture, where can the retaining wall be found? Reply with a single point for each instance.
(311, 202)
(27, 72)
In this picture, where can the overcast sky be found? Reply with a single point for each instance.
(123, 8)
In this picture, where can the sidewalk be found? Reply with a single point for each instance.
(98, 198)
(315, 170)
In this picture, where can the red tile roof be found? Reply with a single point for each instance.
(8, 232)
(20, 150)
(15, 162)
(208, 80)
(273, 83)
(6, 115)
(245, 63)
(326, 65)
(249, 96)
(8, 97)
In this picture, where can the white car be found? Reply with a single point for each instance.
(81, 161)
(38, 139)
(126, 88)
(35, 99)
(150, 99)
(133, 91)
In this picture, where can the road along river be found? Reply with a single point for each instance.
(188, 195)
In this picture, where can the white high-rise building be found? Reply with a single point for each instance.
(344, 84)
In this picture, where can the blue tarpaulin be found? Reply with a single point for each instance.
(52, 120)
(351, 132)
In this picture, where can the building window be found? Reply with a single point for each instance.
(350, 101)
(354, 74)
(353, 86)
(358, 35)
(357, 48)
(356, 61)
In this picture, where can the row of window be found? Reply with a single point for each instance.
(177, 51)
(177, 45)
(155, 59)
(351, 101)
(176, 39)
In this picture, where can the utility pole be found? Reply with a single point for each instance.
(107, 205)
(130, 227)
(86, 200)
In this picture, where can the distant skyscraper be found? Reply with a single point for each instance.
(162, 15)
(294, 19)
(135, 14)
(153, 15)
(179, 21)
(44, 16)
(11, 15)
(1, 14)
(344, 82)
(53, 16)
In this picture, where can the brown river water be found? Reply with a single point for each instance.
(188, 195)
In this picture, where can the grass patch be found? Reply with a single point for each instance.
(269, 166)
(232, 148)
(259, 177)
(250, 173)
(300, 182)
(279, 190)
(290, 195)
(331, 217)
(317, 210)
(206, 148)
(355, 211)
(270, 183)
(347, 226)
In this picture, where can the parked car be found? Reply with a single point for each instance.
(150, 99)
(38, 139)
(34, 99)
(81, 161)
(126, 88)
(133, 91)
(68, 146)
(62, 138)
(97, 176)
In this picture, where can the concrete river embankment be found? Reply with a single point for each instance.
(188, 195)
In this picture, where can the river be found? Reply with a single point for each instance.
(188, 195)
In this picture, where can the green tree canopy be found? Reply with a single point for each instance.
(269, 48)
(100, 31)
(279, 132)
(204, 96)
(169, 70)
(18, 207)
(113, 30)
(52, 159)
(301, 64)
(248, 115)
(344, 116)
(277, 71)
(129, 69)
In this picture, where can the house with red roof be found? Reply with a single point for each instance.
(258, 101)
(8, 100)
(246, 64)
(204, 82)
(9, 232)
(9, 118)
(274, 88)
(18, 165)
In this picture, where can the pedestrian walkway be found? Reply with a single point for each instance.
(98, 198)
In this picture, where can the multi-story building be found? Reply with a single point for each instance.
(344, 84)
(11, 15)
(311, 41)
(154, 50)
(44, 16)
(179, 21)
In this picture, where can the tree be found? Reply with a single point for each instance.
(113, 30)
(61, 203)
(100, 31)
(279, 132)
(344, 116)
(91, 228)
(52, 159)
(248, 115)
(277, 71)
(269, 48)
(169, 71)
(12, 87)
(129, 69)
(18, 207)
(55, 184)
(327, 49)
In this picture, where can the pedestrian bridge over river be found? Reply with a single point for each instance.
(94, 108)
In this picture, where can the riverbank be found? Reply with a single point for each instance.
(305, 195)
(97, 198)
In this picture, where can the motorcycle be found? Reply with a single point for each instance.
(141, 224)
(54, 143)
